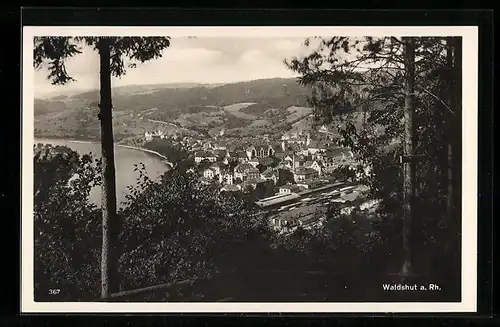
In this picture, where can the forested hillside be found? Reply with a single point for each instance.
(242, 107)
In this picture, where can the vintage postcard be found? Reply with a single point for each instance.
(249, 169)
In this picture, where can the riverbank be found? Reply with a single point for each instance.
(165, 159)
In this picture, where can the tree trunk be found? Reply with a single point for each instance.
(109, 278)
(409, 163)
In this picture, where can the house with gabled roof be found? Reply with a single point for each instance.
(244, 171)
(265, 151)
(314, 164)
(259, 151)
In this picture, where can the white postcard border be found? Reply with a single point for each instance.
(469, 171)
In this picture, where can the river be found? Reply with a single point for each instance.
(125, 158)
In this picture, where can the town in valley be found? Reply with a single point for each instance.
(293, 177)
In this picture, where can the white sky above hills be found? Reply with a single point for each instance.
(188, 60)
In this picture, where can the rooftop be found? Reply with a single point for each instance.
(269, 172)
(255, 180)
(290, 187)
(304, 170)
(231, 188)
(276, 199)
(244, 167)
(203, 154)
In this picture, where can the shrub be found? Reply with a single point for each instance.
(178, 228)
(67, 225)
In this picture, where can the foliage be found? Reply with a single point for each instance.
(67, 224)
(174, 153)
(125, 52)
(178, 228)
(115, 53)
(358, 86)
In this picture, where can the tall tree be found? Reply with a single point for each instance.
(409, 162)
(383, 94)
(115, 54)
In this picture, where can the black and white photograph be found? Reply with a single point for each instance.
(249, 169)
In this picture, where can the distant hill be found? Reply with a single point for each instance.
(141, 89)
(252, 106)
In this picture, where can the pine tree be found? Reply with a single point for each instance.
(386, 96)
(113, 52)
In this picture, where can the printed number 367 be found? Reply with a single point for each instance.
(54, 291)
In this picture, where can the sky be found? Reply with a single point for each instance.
(189, 60)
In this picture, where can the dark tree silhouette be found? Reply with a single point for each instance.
(396, 91)
(115, 53)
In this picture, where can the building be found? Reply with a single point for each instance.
(303, 173)
(299, 161)
(242, 157)
(252, 183)
(270, 174)
(288, 189)
(261, 151)
(329, 164)
(251, 152)
(209, 173)
(203, 155)
(316, 165)
(266, 161)
(244, 171)
(285, 137)
(276, 201)
(311, 183)
(226, 177)
(254, 162)
(253, 173)
(216, 168)
(315, 147)
(266, 151)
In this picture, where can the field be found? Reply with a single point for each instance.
(297, 113)
(235, 109)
